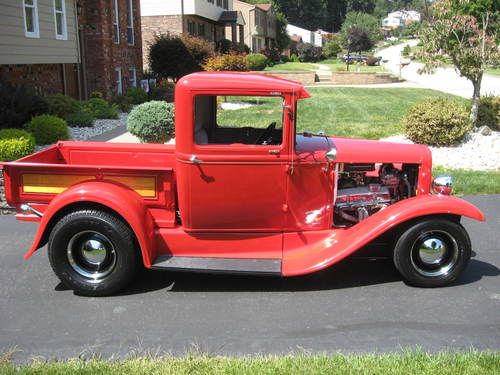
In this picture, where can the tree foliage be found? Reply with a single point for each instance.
(357, 39)
(465, 31)
(363, 21)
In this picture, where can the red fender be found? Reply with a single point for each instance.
(307, 252)
(125, 202)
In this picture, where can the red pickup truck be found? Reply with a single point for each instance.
(256, 199)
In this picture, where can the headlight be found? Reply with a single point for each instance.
(443, 184)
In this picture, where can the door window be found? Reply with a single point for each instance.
(241, 120)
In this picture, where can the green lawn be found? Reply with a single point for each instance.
(466, 182)
(409, 363)
(494, 71)
(292, 66)
(371, 113)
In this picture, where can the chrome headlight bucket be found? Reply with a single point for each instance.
(443, 184)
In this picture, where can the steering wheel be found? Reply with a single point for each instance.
(266, 135)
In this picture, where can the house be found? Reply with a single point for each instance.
(208, 19)
(71, 47)
(111, 45)
(39, 45)
(400, 18)
(260, 25)
(307, 36)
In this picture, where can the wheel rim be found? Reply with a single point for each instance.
(92, 255)
(434, 253)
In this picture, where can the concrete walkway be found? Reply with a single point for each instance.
(444, 79)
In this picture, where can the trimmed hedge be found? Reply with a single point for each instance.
(81, 119)
(489, 112)
(152, 122)
(101, 108)
(47, 129)
(437, 122)
(15, 144)
(256, 61)
(63, 106)
(228, 62)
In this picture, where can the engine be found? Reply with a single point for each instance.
(364, 189)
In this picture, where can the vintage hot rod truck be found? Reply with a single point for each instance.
(266, 201)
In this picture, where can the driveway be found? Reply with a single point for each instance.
(357, 306)
(444, 79)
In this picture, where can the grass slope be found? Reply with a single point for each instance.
(469, 363)
(466, 182)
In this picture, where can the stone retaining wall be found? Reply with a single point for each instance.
(305, 77)
(362, 78)
(5, 209)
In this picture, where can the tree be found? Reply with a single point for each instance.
(465, 31)
(365, 6)
(356, 39)
(309, 14)
(335, 15)
(282, 38)
(363, 21)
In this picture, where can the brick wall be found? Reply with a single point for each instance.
(305, 77)
(44, 79)
(361, 78)
(101, 54)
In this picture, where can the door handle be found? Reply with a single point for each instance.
(193, 159)
(274, 152)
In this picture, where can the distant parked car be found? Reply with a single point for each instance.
(393, 39)
(354, 57)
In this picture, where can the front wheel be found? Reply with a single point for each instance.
(432, 253)
(93, 252)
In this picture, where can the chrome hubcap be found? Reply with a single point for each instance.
(434, 253)
(91, 255)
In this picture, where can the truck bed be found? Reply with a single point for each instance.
(146, 168)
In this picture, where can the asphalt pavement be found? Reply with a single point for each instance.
(357, 306)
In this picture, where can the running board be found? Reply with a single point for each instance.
(218, 265)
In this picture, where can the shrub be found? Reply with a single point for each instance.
(137, 95)
(294, 58)
(308, 52)
(272, 54)
(228, 62)
(101, 108)
(437, 122)
(97, 94)
(122, 102)
(332, 48)
(15, 144)
(18, 105)
(256, 61)
(62, 106)
(406, 50)
(372, 61)
(82, 119)
(172, 56)
(152, 122)
(47, 129)
(489, 112)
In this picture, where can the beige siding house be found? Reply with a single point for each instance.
(260, 25)
(39, 45)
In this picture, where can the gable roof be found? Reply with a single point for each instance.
(264, 7)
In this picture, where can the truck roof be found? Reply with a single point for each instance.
(241, 81)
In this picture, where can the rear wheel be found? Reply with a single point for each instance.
(93, 252)
(432, 253)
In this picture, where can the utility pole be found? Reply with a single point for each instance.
(182, 16)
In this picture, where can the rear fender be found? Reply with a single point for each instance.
(308, 252)
(118, 198)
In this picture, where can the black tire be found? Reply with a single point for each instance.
(93, 252)
(432, 253)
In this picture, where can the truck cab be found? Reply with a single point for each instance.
(240, 191)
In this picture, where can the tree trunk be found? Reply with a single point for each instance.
(476, 96)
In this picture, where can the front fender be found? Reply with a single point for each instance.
(114, 196)
(307, 252)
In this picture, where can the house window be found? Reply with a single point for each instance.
(219, 3)
(130, 23)
(31, 26)
(226, 6)
(118, 80)
(191, 27)
(60, 19)
(116, 25)
(201, 29)
(132, 75)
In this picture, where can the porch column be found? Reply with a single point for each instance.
(242, 35)
(233, 32)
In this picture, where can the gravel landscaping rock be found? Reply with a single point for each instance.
(478, 152)
(100, 127)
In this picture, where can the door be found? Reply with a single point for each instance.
(237, 172)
